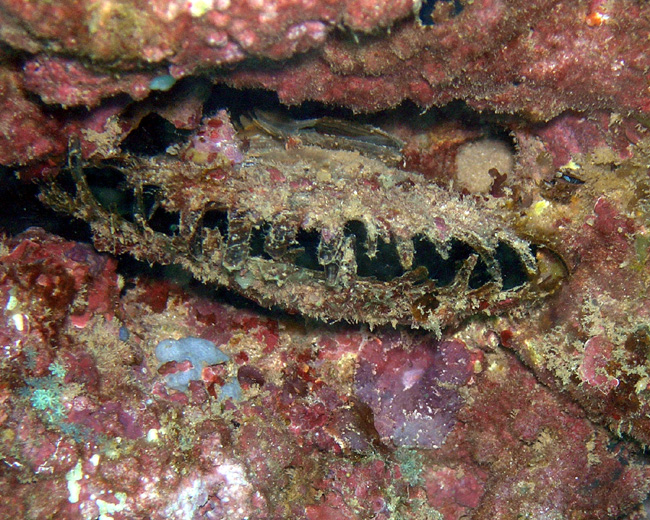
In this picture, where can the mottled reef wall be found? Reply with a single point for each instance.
(393, 259)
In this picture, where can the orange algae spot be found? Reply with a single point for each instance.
(596, 19)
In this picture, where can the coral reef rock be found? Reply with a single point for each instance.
(354, 259)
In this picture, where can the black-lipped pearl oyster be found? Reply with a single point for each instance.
(333, 234)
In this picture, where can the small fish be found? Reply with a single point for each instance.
(335, 134)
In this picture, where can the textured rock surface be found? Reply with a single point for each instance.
(88, 422)
(535, 411)
(536, 58)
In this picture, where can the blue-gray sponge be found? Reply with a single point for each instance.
(199, 352)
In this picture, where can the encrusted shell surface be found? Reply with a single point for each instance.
(329, 233)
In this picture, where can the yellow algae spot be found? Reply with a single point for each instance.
(19, 321)
(74, 488)
(107, 508)
(197, 157)
(540, 207)
(12, 303)
(641, 385)
(533, 355)
(571, 165)
(200, 7)
(7, 435)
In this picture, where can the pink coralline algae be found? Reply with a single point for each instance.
(593, 369)
(539, 58)
(412, 390)
(215, 139)
(162, 126)
(334, 422)
(505, 56)
(538, 48)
